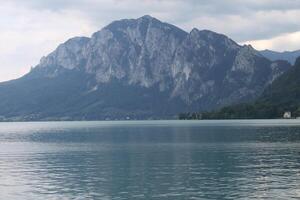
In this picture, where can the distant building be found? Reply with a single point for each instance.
(287, 115)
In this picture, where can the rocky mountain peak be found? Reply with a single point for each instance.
(199, 70)
(142, 24)
(147, 17)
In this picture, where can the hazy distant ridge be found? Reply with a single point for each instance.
(290, 56)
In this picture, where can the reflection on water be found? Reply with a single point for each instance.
(150, 160)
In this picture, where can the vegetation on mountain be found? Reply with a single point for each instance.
(283, 95)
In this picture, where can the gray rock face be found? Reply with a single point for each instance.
(68, 55)
(200, 70)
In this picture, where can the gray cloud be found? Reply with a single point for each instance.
(33, 28)
(257, 17)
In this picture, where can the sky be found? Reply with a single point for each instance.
(31, 29)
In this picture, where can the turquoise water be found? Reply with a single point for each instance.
(246, 159)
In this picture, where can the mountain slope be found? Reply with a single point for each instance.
(281, 96)
(290, 56)
(138, 68)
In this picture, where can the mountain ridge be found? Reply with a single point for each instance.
(138, 68)
(290, 56)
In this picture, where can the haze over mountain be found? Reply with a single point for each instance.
(138, 68)
(290, 56)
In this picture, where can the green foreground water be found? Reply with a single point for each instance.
(249, 159)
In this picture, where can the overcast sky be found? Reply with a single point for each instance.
(30, 29)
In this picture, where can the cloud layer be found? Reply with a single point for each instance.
(31, 29)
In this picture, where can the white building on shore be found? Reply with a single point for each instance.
(287, 115)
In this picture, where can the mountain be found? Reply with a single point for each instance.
(290, 56)
(281, 96)
(139, 69)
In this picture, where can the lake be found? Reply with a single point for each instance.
(168, 160)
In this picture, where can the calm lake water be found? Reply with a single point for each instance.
(253, 159)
